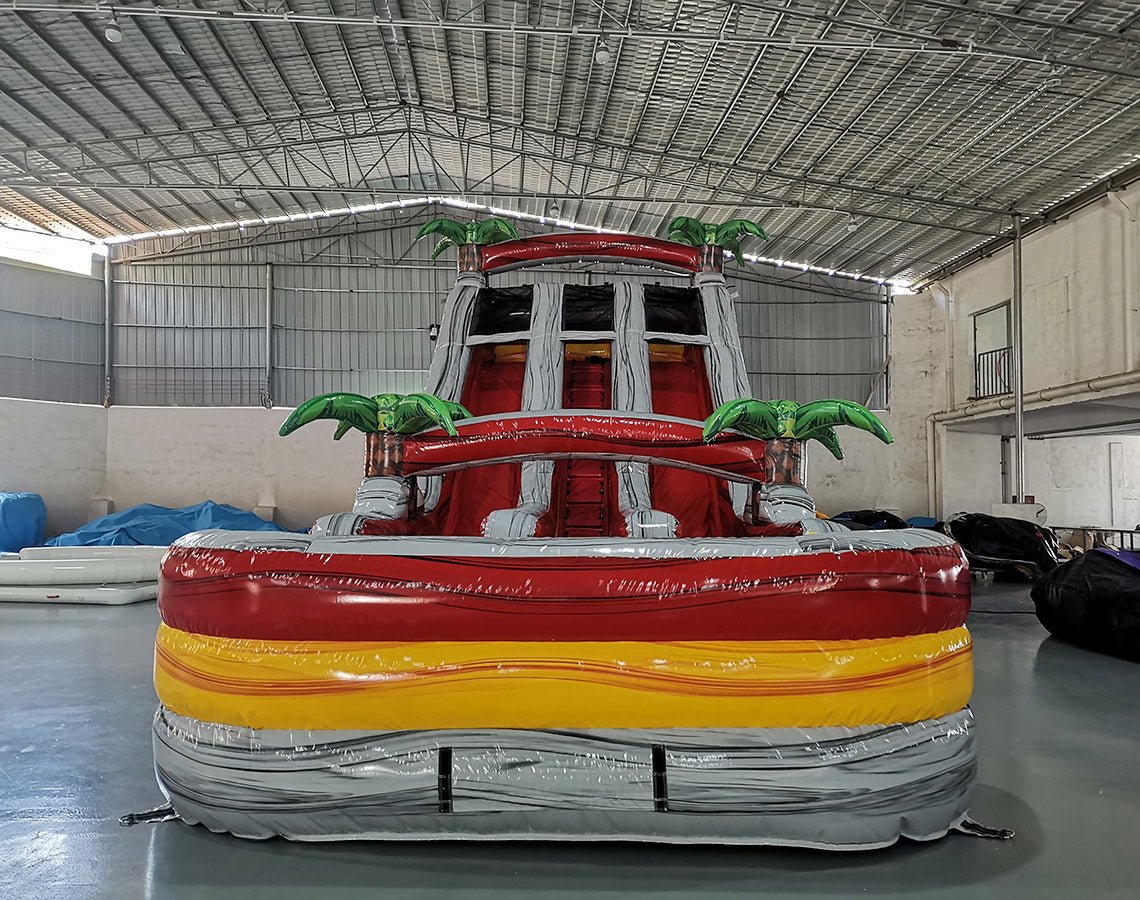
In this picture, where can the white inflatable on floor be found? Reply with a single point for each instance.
(107, 576)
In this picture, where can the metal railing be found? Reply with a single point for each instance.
(1089, 537)
(992, 373)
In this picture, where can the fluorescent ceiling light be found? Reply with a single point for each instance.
(550, 217)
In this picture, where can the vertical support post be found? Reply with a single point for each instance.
(1006, 493)
(1018, 364)
(108, 320)
(267, 387)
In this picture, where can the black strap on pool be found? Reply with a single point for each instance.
(164, 813)
(444, 779)
(660, 783)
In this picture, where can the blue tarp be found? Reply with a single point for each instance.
(23, 518)
(159, 526)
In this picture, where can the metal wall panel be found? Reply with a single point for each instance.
(353, 328)
(51, 335)
(352, 312)
(188, 335)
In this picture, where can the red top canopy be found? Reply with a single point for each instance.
(548, 247)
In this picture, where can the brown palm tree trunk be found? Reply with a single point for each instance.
(712, 258)
(383, 454)
(469, 258)
(784, 461)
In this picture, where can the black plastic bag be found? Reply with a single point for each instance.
(870, 518)
(1093, 601)
(1005, 545)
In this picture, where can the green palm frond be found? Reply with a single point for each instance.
(732, 247)
(687, 230)
(734, 229)
(351, 410)
(415, 412)
(768, 419)
(757, 418)
(830, 440)
(454, 231)
(397, 413)
(444, 243)
(492, 231)
(822, 414)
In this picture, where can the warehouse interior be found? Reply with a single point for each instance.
(211, 212)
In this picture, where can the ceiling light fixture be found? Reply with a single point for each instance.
(554, 210)
(603, 54)
(447, 202)
(852, 225)
(239, 203)
(113, 33)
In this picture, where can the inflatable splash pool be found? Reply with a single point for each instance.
(582, 594)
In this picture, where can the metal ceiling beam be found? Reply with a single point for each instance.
(1018, 17)
(206, 78)
(1029, 225)
(37, 116)
(970, 45)
(899, 41)
(740, 198)
(1023, 202)
(881, 139)
(993, 160)
(447, 125)
(1010, 113)
(1127, 143)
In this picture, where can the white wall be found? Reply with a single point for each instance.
(1077, 484)
(875, 475)
(58, 450)
(970, 472)
(1080, 297)
(72, 454)
(177, 456)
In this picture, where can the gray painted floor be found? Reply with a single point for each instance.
(1058, 728)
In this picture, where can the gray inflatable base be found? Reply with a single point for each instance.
(835, 788)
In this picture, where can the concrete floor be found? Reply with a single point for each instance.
(1058, 729)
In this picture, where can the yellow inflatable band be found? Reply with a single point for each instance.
(515, 684)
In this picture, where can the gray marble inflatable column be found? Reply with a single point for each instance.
(542, 390)
(632, 393)
(452, 355)
(728, 375)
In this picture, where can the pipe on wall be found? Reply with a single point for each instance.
(1018, 365)
(108, 321)
(267, 388)
(1078, 390)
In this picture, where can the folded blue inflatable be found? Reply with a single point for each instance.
(159, 525)
(23, 518)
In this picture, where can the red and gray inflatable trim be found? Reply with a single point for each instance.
(550, 247)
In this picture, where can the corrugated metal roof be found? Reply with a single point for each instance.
(929, 121)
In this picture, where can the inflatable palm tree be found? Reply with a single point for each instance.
(785, 424)
(714, 239)
(468, 237)
(385, 419)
